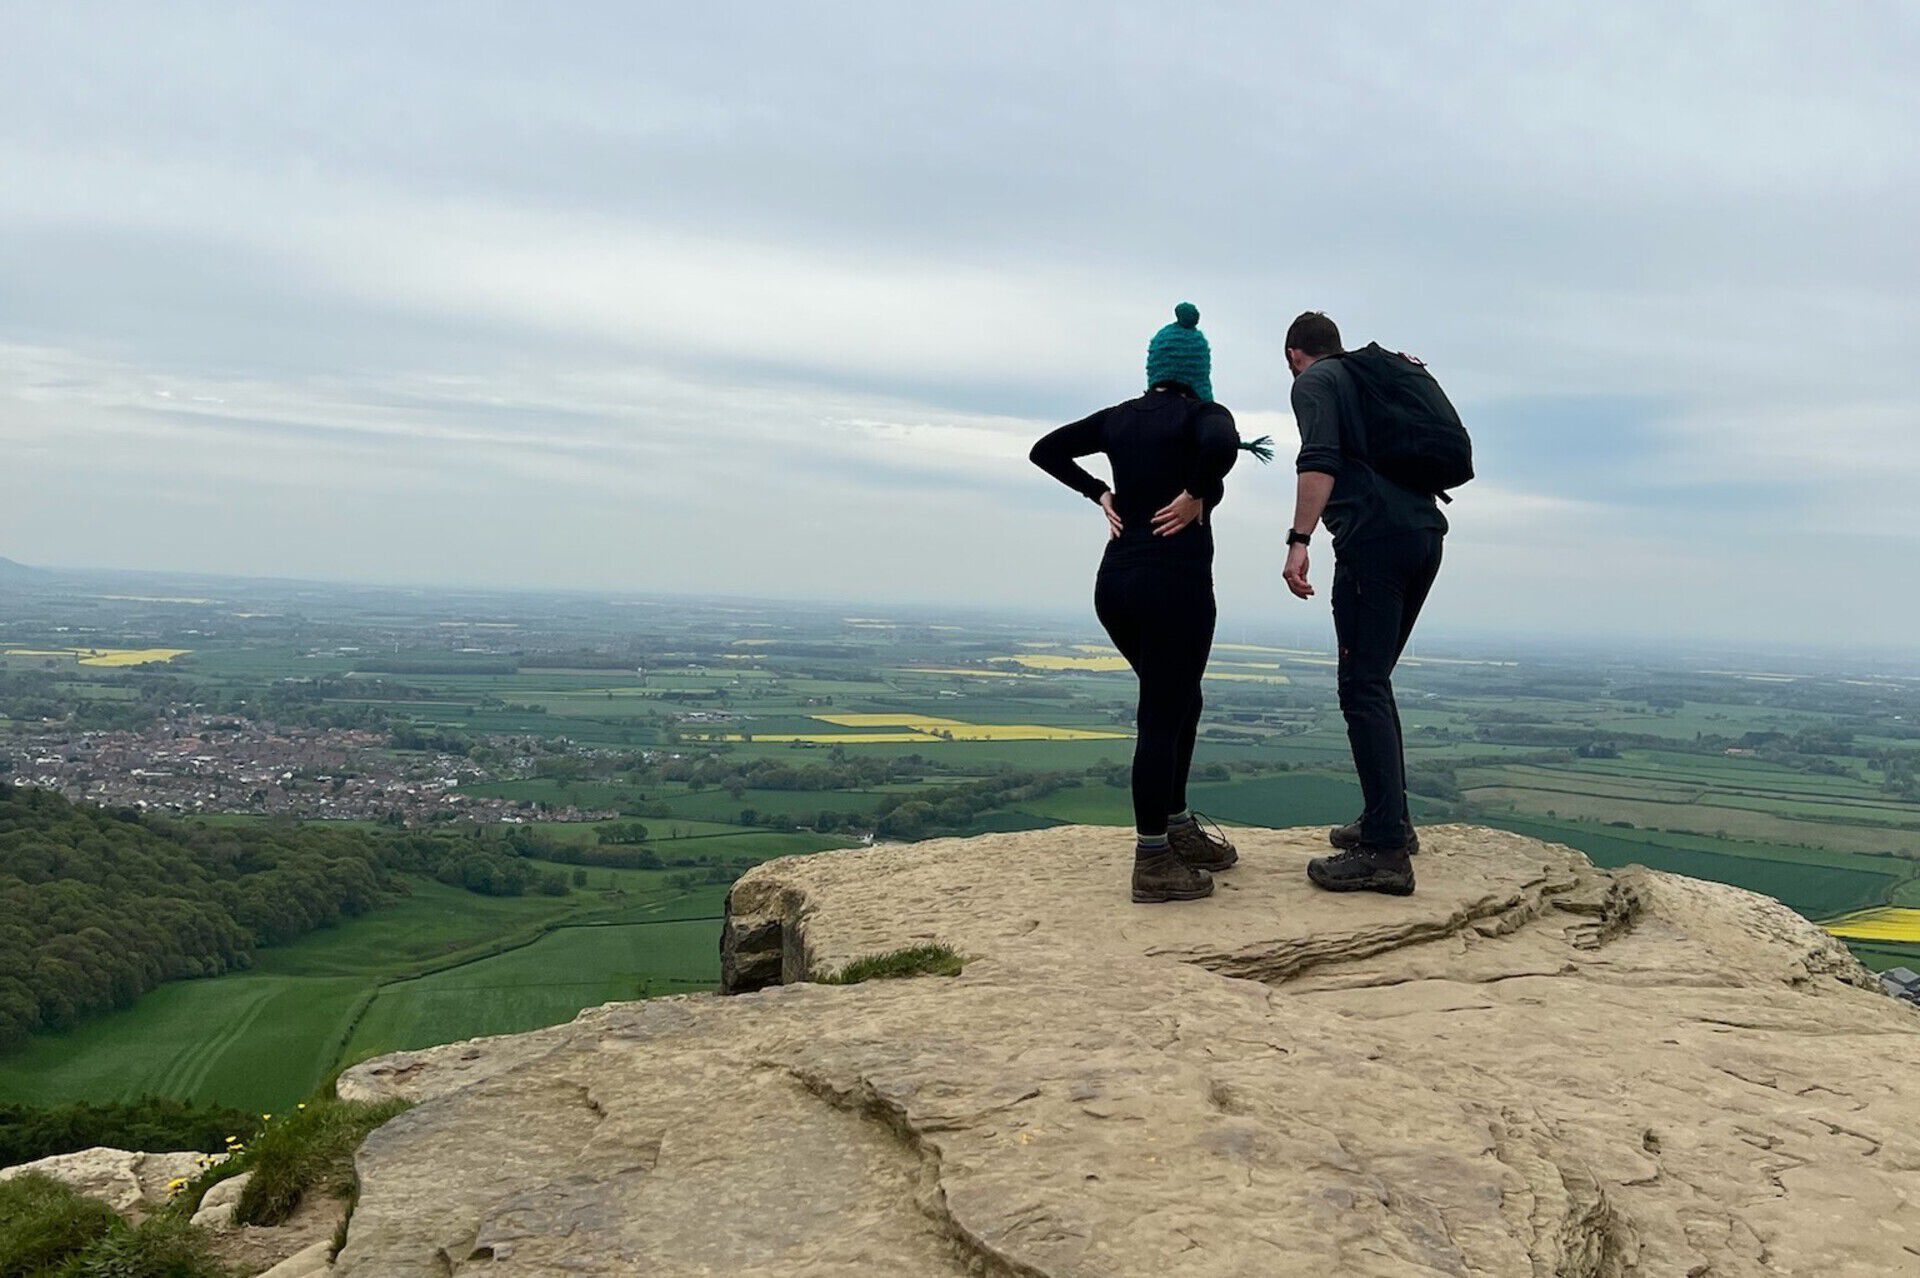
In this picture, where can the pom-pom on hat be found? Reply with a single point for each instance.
(1179, 353)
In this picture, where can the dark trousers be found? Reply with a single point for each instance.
(1378, 588)
(1160, 616)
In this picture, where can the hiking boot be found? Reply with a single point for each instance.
(1348, 836)
(1199, 849)
(1364, 869)
(1165, 877)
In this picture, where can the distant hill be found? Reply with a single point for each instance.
(12, 571)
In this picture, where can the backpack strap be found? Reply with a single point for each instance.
(1353, 439)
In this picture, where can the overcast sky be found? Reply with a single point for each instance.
(772, 299)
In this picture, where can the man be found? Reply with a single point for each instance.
(1386, 552)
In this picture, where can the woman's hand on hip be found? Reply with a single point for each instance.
(1177, 514)
(1113, 515)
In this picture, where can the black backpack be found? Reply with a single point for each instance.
(1413, 436)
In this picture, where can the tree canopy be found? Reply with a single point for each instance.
(98, 906)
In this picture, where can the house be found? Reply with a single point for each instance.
(1902, 982)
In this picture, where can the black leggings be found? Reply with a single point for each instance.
(1160, 616)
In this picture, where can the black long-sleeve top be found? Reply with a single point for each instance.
(1158, 445)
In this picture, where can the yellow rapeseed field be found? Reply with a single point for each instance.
(101, 656)
(129, 656)
(1056, 661)
(935, 728)
(885, 729)
(179, 599)
(1890, 923)
(819, 738)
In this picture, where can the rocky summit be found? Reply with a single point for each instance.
(1530, 1067)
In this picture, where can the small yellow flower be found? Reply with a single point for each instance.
(233, 1140)
(266, 1118)
(301, 1105)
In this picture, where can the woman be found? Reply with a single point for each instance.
(1170, 450)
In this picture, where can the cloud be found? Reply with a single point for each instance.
(646, 300)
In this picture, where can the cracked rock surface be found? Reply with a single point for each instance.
(1531, 1067)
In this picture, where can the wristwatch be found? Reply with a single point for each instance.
(1297, 538)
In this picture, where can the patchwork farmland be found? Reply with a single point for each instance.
(653, 748)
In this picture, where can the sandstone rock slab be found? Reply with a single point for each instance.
(309, 1262)
(1530, 1067)
(130, 1181)
(218, 1203)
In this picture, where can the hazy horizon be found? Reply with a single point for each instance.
(1072, 622)
(771, 304)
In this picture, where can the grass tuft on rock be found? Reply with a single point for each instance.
(916, 960)
(43, 1224)
(158, 1247)
(49, 1231)
(307, 1150)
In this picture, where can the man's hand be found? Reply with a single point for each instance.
(1177, 514)
(1312, 492)
(1296, 572)
(1113, 516)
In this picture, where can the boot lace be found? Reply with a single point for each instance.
(1218, 837)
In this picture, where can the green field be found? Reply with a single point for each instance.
(1880, 957)
(255, 1042)
(1278, 802)
(1291, 799)
(435, 923)
(1817, 890)
(264, 1038)
(541, 984)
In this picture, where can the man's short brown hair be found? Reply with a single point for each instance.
(1314, 334)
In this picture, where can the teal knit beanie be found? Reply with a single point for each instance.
(1179, 353)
